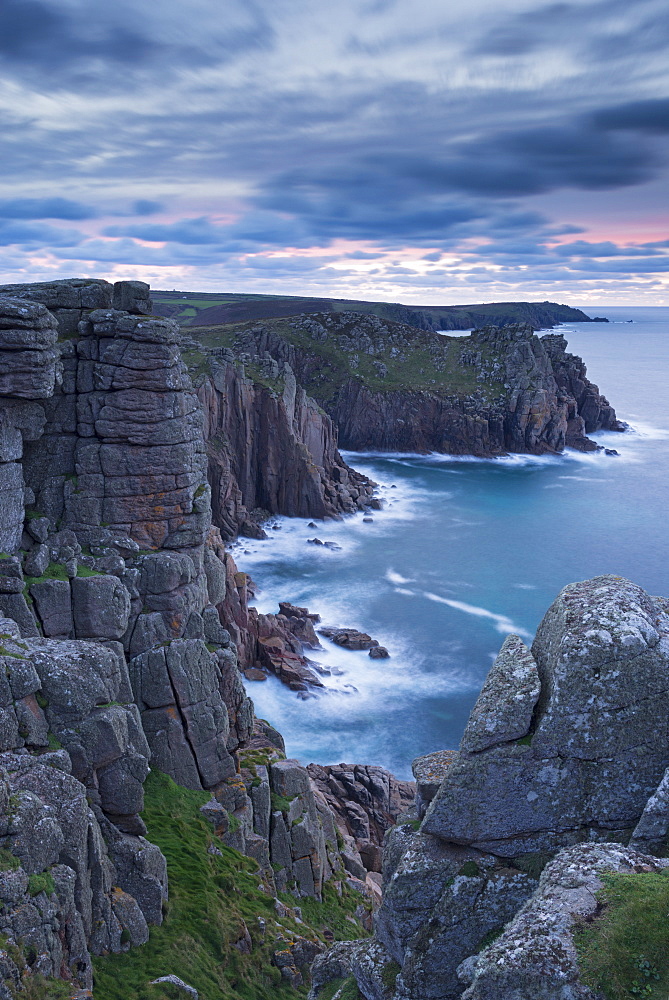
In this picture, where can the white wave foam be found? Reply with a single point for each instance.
(403, 590)
(647, 431)
(503, 623)
(393, 577)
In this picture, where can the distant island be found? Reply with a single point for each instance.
(214, 308)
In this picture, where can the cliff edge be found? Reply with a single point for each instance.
(391, 387)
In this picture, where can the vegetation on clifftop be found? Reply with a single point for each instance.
(209, 308)
(623, 951)
(399, 357)
(213, 899)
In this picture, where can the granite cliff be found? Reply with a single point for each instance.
(115, 593)
(192, 309)
(391, 387)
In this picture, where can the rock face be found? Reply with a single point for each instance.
(595, 742)
(391, 387)
(535, 956)
(115, 594)
(366, 801)
(566, 750)
(258, 424)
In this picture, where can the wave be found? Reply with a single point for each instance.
(647, 431)
(513, 460)
(503, 623)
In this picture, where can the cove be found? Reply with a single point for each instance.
(464, 552)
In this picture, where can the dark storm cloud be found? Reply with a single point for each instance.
(39, 34)
(598, 31)
(45, 208)
(195, 231)
(362, 133)
(522, 33)
(110, 48)
(580, 248)
(638, 116)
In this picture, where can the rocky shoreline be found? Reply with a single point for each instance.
(126, 630)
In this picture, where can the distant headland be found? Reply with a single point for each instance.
(213, 308)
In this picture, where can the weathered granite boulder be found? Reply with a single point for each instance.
(177, 690)
(584, 758)
(503, 711)
(429, 771)
(53, 605)
(651, 834)
(439, 903)
(535, 956)
(73, 905)
(28, 355)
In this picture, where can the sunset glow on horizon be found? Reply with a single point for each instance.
(418, 153)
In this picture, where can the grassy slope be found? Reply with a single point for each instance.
(625, 950)
(413, 369)
(211, 897)
(225, 308)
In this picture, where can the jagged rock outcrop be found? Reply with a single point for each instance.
(258, 424)
(536, 956)
(588, 711)
(390, 387)
(71, 299)
(366, 801)
(565, 750)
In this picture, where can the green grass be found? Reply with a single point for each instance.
(414, 368)
(333, 913)
(211, 896)
(280, 803)
(8, 861)
(54, 571)
(470, 869)
(42, 882)
(623, 951)
(85, 571)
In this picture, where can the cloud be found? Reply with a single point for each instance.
(124, 41)
(581, 248)
(144, 207)
(650, 116)
(469, 130)
(29, 234)
(194, 231)
(45, 208)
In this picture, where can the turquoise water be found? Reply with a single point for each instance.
(465, 552)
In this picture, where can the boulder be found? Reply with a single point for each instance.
(594, 749)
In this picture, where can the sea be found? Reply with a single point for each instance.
(464, 552)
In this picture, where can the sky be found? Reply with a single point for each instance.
(429, 152)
